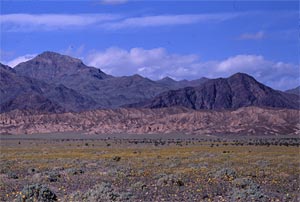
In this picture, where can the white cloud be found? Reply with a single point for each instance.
(163, 20)
(158, 63)
(152, 63)
(20, 59)
(252, 36)
(113, 2)
(29, 22)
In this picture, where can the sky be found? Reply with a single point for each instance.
(178, 39)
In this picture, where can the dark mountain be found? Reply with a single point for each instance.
(167, 81)
(127, 89)
(295, 91)
(118, 91)
(19, 92)
(237, 91)
(52, 67)
(173, 84)
(55, 81)
(107, 91)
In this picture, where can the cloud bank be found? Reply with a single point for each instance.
(48, 22)
(113, 2)
(20, 59)
(168, 20)
(252, 36)
(158, 63)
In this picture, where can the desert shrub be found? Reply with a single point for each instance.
(36, 192)
(58, 168)
(53, 176)
(139, 185)
(37, 177)
(197, 166)
(170, 180)
(125, 196)
(101, 192)
(32, 170)
(74, 171)
(247, 190)
(226, 174)
(262, 163)
(116, 158)
(12, 175)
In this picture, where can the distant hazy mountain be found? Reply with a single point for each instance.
(19, 92)
(239, 90)
(294, 91)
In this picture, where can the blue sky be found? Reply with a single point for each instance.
(180, 39)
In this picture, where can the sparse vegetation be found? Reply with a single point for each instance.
(161, 169)
(36, 192)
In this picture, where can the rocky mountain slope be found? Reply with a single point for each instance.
(19, 92)
(53, 67)
(106, 90)
(295, 91)
(173, 84)
(237, 91)
(248, 121)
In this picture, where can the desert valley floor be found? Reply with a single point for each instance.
(169, 167)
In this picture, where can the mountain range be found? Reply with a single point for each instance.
(57, 83)
(294, 91)
(238, 90)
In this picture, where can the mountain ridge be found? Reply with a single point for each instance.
(294, 91)
(106, 90)
(238, 90)
(74, 86)
(19, 92)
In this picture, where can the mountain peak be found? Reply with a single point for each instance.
(167, 79)
(51, 67)
(137, 77)
(45, 53)
(54, 57)
(241, 75)
(294, 90)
